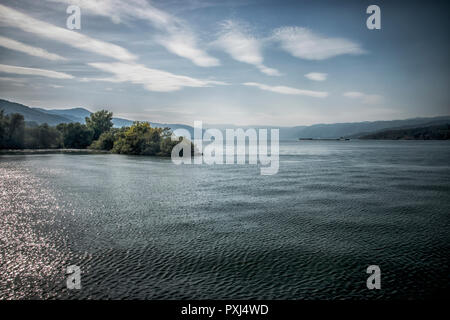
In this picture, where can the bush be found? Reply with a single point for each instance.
(141, 139)
(75, 135)
(12, 131)
(99, 122)
(42, 137)
(105, 141)
(138, 139)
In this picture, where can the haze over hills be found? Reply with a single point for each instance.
(356, 129)
(439, 132)
(318, 131)
(31, 114)
(56, 116)
(74, 114)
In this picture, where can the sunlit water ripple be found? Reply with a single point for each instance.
(144, 228)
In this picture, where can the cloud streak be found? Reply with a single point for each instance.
(243, 47)
(288, 90)
(124, 71)
(316, 76)
(305, 44)
(13, 18)
(363, 97)
(151, 79)
(34, 72)
(184, 44)
(176, 35)
(30, 50)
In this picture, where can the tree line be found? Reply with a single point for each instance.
(97, 133)
(437, 132)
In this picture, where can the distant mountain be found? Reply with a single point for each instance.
(348, 130)
(439, 132)
(324, 131)
(355, 129)
(53, 116)
(119, 122)
(57, 116)
(74, 114)
(80, 114)
(31, 114)
(286, 133)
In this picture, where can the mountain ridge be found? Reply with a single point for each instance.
(332, 130)
(433, 132)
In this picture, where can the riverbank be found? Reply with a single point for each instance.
(45, 151)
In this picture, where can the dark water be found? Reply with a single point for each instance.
(144, 228)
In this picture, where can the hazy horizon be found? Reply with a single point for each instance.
(231, 125)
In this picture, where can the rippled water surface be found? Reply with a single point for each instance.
(144, 228)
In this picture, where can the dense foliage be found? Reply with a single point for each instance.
(99, 122)
(12, 131)
(42, 137)
(142, 139)
(98, 133)
(75, 135)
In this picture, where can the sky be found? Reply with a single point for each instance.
(240, 62)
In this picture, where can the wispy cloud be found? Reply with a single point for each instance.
(176, 36)
(34, 72)
(305, 44)
(30, 50)
(151, 79)
(120, 11)
(125, 71)
(268, 71)
(14, 81)
(288, 90)
(184, 45)
(363, 97)
(316, 76)
(242, 46)
(14, 18)
(8, 79)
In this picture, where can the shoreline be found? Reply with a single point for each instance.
(48, 151)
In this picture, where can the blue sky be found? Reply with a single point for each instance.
(240, 62)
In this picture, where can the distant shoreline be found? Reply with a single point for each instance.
(48, 151)
(323, 139)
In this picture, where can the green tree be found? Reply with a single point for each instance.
(140, 138)
(4, 124)
(75, 135)
(42, 137)
(12, 128)
(167, 144)
(99, 122)
(106, 140)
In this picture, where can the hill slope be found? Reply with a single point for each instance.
(79, 115)
(355, 129)
(57, 116)
(440, 132)
(53, 116)
(335, 130)
(31, 114)
(74, 114)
